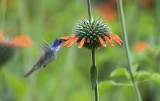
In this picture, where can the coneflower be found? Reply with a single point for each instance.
(91, 35)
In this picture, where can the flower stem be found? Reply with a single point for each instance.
(95, 68)
(123, 27)
(89, 10)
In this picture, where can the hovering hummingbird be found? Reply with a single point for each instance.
(49, 54)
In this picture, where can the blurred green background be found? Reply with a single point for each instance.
(68, 77)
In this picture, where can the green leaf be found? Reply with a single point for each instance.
(120, 72)
(142, 75)
(104, 87)
(134, 68)
(156, 77)
(94, 76)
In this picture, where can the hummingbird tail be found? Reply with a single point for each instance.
(30, 72)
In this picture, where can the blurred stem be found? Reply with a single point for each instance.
(3, 5)
(136, 15)
(23, 16)
(157, 20)
(2, 28)
(95, 68)
(122, 84)
(89, 10)
(123, 27)
(155, 92)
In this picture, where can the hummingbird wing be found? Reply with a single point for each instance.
(40, 62)
(44, 48)
(45, 42)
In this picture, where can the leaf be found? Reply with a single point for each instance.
(142, 75)
(104, 87)
(94, 76)
(134, 68)
(120, 72)
(156, 77)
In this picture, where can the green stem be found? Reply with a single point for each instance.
(93, 56)
(95, 68)
(89, 10)
(157, 21)
(155, 92)
(3, 5)
(122, 84)
(123, 27)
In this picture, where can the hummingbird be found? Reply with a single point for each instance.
(49, 54)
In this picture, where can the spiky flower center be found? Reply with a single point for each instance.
(91, 31)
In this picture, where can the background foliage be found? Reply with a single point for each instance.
(67, 78)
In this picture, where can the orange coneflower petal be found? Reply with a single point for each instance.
(111, 35)
(67, 42)
(73, 41)
(118, 38)
(81, 43)
(102, 42)
(64, 38)
(68, 37)
(109, 41)
(1, 37)
(22, 40)
(115, 38)
(72, 35)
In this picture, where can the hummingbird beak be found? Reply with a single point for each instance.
(62, 42)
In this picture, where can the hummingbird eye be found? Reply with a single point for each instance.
(59, 41)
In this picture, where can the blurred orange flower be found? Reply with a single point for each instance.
(1, 37)
(8, 48)
(108, 10)
(146, 3)
(22, 40)
(141, 46)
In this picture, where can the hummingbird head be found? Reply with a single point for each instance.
(58, 42)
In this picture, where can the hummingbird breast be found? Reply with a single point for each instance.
(49, 57)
